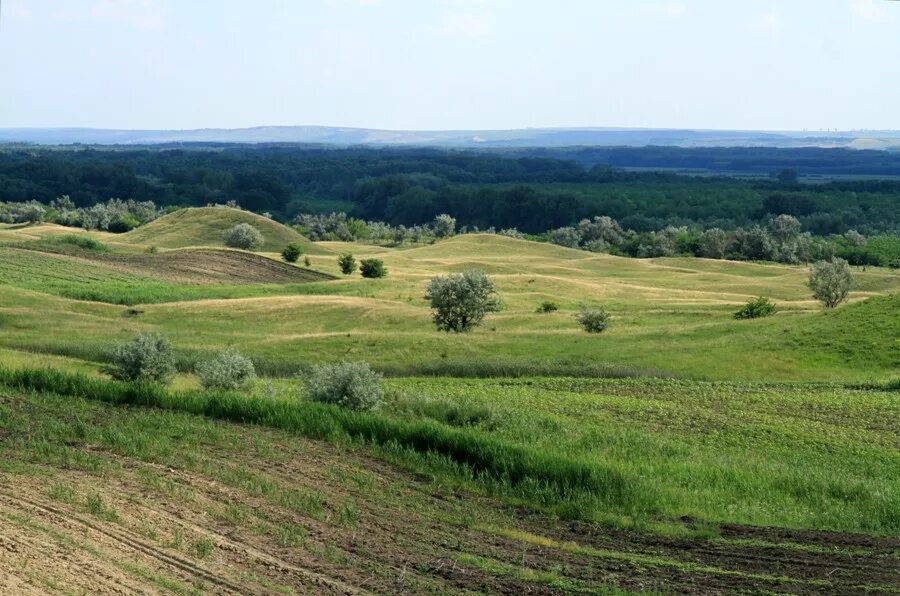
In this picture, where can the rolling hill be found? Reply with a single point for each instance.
(203, 226)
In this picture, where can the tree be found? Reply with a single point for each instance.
(460, 301)
(147, 357)
(567, 236)
(372, 268)
(787, 176)
(444, 226)
(830, 281)
(292, 252)
(347, 263)
(713, 243)
(243, 236)
(855, 238)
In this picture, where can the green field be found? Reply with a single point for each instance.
(679, 426)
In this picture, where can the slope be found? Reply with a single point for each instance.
(204, 226)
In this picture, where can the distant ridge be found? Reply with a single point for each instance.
(527, 137)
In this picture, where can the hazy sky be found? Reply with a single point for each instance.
(451, 64)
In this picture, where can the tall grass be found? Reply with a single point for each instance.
(567, 486)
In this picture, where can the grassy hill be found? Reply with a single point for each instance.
(203, 226)
(525, 456)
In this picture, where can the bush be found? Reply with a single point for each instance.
(460, 301)
(243, 236)
(292, 252)
(593, 320)
(350, 385)
(347, 263)
(756, 308)
(547, 306)
(372, 268)
(83, 241)
(123, 223)
(830, 281)
(894, 264)
(228, 370)
(147, 357)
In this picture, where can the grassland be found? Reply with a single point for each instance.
(724, 447)
(670, 315)
(203, 226)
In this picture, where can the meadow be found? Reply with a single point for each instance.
(679, 427)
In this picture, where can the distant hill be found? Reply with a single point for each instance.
(203, 226)
(527, 137)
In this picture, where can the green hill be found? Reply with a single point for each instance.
(203, 226)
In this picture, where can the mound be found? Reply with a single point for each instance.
(204, 226)
(863, 333)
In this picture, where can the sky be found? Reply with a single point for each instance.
(451, 64)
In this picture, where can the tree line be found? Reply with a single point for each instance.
(527, 191)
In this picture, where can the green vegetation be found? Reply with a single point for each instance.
(292, 252)
(756, 308)
(204, 226)
(146, 358)
(228, 370)
(670, 426)
(350, 385)
(460, 301)
(547, 306)
(347, 263)
(243, 236)
(372, 268)
(593, 319)
(830, 281)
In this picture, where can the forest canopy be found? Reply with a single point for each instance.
(531, 190)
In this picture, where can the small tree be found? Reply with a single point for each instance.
(830, 281)
(756, 308)
(444, 226)
(147, 357)
(351, 385)
(461, 301)
(593, 320)
(292, 252)
(347, 263)
(372, 268)
(243, 236)
(228, 370)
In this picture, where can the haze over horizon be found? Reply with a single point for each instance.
(451, 64)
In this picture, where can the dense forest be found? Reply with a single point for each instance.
(522, 190)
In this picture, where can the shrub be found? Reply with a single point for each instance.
(291, 252)
(372, 268)
(547, 306)
(83, 241)
(306, 261)
(123, 223)
(347, 263)
(830, 281)
(894, 264)
(756, 308)
(593, 320)
(228, 370)
(147, 357)
(460, 301)
(244, 236)
(350, 385)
